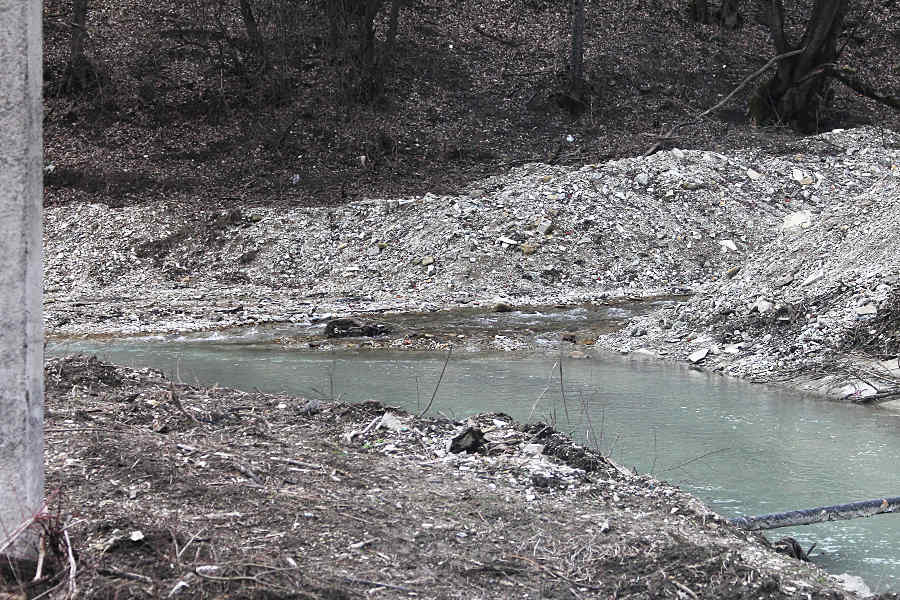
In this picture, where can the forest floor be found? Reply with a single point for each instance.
(467, 94)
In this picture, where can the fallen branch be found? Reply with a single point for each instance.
(497, 38)
(73, 568)
(853, 510)
(22, 528)
(716, 106)
(438, 384)
(379, 584)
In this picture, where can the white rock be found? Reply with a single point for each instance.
(699, 355)
(533, 449)
(762, 305)
(800, 218)
(854, 584)
(866, 310)
(816, 276)
(391, 422)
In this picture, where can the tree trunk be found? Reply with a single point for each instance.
(700, 11)
(252, 29)
(79, 68)
(800, 89)
(371, 75)
(730, 17)
(853, 510)
(366, 19)
(21, 332)
(576, 58)
(392, 27)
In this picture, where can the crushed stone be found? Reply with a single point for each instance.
(786, 255)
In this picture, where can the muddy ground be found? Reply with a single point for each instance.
(166, 490)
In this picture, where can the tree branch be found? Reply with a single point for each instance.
(776, 26)
(740, 86)
(861, 87)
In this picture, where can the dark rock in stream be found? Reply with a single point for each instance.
(338, 328)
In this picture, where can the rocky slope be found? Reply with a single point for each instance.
(788, 254)
(824, 290)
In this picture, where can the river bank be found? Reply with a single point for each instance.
(180, 491)
(790, 260)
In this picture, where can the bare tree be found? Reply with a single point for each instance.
(700, 11)
(252, 29)
(21, 329)
(728, 15)
(79, 68)
(800, 88)
(576, 56)
(393, 20)
(358, 16)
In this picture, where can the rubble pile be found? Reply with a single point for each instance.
(823, 283)
(786, 253)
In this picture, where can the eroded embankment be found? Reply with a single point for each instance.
(820, 302)
(178, 491)
(792, 256)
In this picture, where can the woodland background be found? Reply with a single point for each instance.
(312, 102)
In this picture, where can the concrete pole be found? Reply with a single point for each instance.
(21, 327)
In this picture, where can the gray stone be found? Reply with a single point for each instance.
(783, 281)
(728, 245)
(533, 449)
(762, 306)
(698, 355)
(801, 218)
(545, 226)
(867, 310)
(813, 278)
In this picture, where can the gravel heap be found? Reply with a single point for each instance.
(797, 246)
(824, 287)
